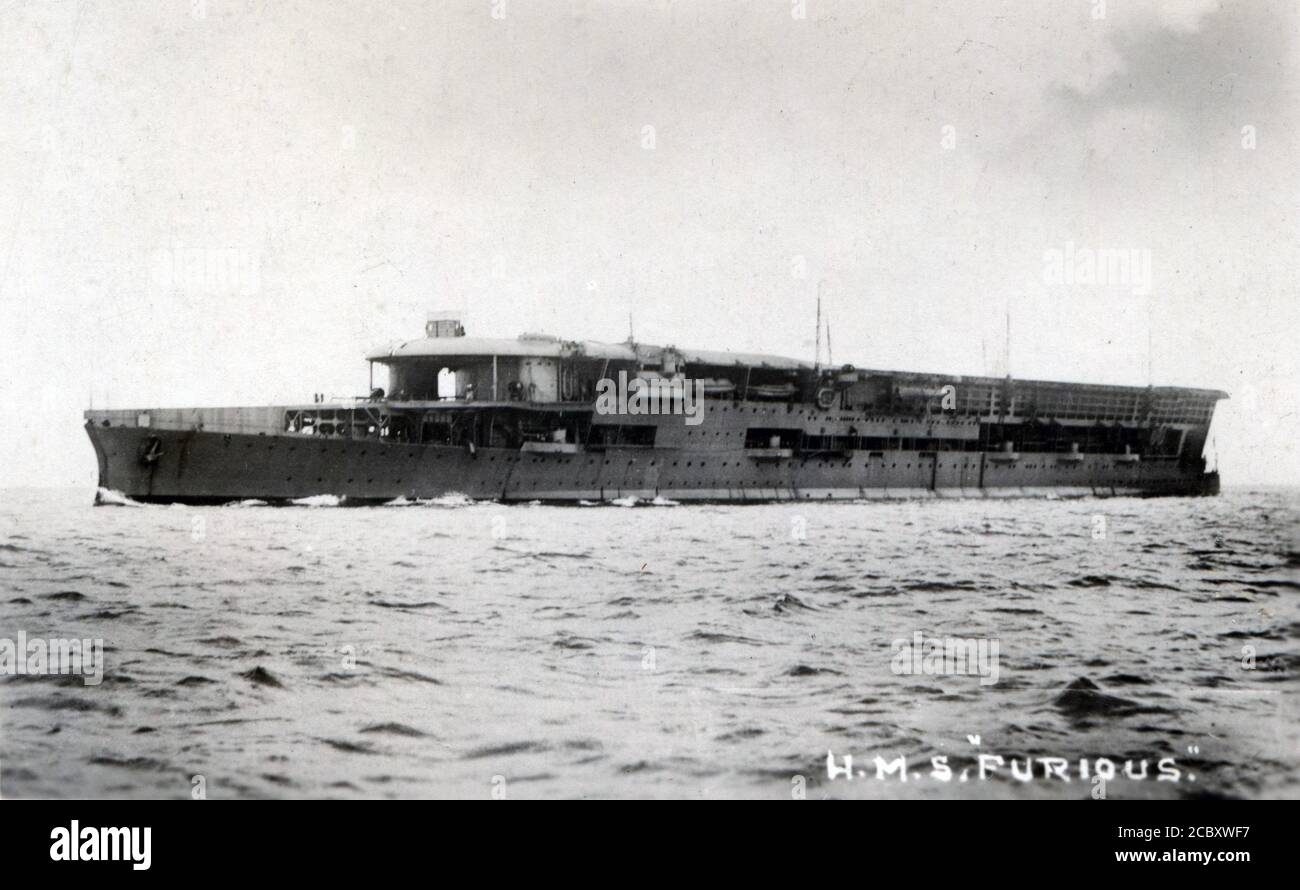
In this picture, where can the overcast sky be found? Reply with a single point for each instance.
(230, 202)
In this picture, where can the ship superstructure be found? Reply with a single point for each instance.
(533, 419)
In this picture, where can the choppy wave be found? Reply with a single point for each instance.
(108, 497)
(451, 499)
(318, 500)
(632, 501)
(420, 652)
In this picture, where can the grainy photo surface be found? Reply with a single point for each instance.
(786, 399)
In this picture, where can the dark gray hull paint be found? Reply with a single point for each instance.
(210, 467)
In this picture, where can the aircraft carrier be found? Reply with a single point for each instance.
(544, 419)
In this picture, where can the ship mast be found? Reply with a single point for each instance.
(1008, 340)
(817, 347)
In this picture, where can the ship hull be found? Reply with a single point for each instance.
(203, 467)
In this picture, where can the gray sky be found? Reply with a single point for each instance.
(230, 202)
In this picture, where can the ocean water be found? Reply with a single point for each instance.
(479, 650)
